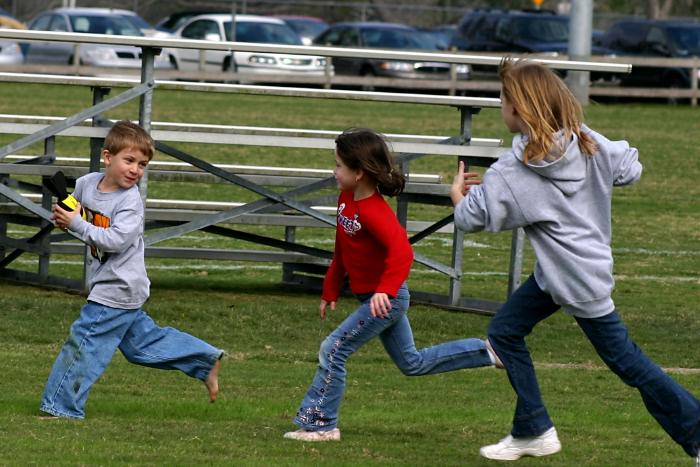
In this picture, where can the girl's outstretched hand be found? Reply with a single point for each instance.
(322, 308)
(379, 305)
(462, 183)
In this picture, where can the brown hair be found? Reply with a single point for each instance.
(544, 104)
(125, 134)
(362, 148)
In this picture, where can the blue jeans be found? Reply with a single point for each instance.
(673, 407)
(96, 335)
(320, 406)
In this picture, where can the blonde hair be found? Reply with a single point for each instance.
(125, 134)
(544, 104)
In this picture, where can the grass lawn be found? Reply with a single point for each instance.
(143, 416)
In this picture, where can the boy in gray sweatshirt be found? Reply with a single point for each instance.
(118, 285)
(556, 182)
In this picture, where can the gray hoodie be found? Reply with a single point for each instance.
(563, 202)
(114, 232)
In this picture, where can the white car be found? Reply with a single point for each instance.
(249, 28)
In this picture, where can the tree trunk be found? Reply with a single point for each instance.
(657, 11)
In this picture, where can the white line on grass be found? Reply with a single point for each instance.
(262, 267)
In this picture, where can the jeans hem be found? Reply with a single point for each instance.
(58, 413)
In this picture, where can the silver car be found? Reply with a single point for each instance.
(248, 28)
(87, 20)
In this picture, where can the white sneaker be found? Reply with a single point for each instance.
(511, 449)
(306, 435)
(697, 461)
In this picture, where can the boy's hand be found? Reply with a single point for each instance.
(379, 305)
(61, 218)
(462, 183)
(322, 308)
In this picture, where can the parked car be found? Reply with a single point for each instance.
(10, 52)
(663, 39)
(307, 27)
(249, 28)
(517, 31)
(87, 20)
(173, 22)
(441, 35)
(384, 36)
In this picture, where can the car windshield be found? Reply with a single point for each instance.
(138, 21)
(686, 40)
(104, 25)
(267, 33)
(393, 39)
(542, 30)
(306, 27)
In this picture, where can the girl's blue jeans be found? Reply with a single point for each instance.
(320, 406)
(96, 335)
(673, 407)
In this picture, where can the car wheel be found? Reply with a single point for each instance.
(367, 73)
(677, 83)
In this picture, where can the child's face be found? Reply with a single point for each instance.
(123, 169)
(510, 116)
(346, 178)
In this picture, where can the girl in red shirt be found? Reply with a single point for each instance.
(373, 250)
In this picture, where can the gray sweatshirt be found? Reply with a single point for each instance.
(563, 202)
(114, 232)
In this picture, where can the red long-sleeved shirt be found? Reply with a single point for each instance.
(370, 246)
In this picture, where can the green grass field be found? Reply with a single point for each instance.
(143, 416)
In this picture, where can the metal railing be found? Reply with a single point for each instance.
(460, 145)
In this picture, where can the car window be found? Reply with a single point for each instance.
(351, 38)
(686, 40)
(390, 38)
(629, 38)
(267, 33)
(95, 24)
(59, 24)
(199, 29)
(482, 29)
(306, 27)
(542, 30)
(332, 36)
(41, 23)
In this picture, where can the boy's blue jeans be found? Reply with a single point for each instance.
(320, 406)
(96, 335)
(673, 407)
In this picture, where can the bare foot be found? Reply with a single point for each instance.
(212, 381)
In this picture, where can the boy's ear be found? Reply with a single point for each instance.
(106, 157)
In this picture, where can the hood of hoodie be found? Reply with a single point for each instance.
(564, 165)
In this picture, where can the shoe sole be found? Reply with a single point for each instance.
(539, 453)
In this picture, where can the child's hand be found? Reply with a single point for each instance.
(322, 308)
(379, 305)
(462, 183)
(61, 218)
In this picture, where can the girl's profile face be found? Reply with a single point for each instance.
(346, 178)
(509, 115)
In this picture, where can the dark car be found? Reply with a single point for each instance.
(647, 38)
(308, 27)
(517, 31)
(385, 36)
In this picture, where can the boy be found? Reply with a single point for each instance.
(112, 317)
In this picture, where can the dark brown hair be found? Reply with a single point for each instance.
(125, 134)
(544, 104)
(362, 148)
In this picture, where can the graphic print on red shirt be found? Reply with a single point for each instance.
(370, 246)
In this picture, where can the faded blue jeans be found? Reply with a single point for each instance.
(96, 335)
(673, 407)
(320, 406)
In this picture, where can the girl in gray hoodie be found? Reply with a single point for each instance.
(556, 182)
